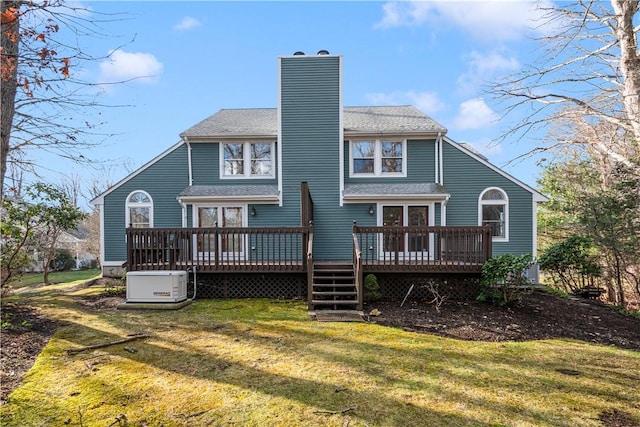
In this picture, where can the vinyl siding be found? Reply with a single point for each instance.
(310, 137)
(163, 180)
(420, 165)
(205, 164)
(465, 178)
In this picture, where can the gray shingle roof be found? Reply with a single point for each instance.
(395, 119)
(229, 191)
(254, 122)
(396, 190)
(245, 122)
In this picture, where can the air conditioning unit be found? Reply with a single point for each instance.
(157, 286)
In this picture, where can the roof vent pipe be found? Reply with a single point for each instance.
(298, 53)
(323, 52)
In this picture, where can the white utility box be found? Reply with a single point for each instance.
(157, 286)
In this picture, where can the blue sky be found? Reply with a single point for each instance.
(190, 59)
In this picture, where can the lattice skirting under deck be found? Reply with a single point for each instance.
(283, 286)
(459, 286)
(294, 286)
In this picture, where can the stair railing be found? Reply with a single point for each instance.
(357, 268)
(310, 265)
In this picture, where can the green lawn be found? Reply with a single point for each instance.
(265, 363)
(35, 279)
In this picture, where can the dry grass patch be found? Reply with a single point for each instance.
(266, 363)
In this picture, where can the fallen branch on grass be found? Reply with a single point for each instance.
(343, 411)
(72, 351)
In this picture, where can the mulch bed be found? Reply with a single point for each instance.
(540, 316)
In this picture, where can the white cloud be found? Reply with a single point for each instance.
(125, 66)
(483, 20)
(474, 114)
(483, 67)
(187, 23)
(427, 102)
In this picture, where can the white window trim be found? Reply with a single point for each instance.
(196, 206)
(127, 205)
(377, 159)
(504, 202)
(247, 160)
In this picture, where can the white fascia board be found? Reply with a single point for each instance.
(234, 199)
(361, 198)
(397, 134)
(537, 196)
(231, 138)
(99, 200)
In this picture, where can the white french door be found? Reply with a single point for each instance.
(406, 244)
(230, 245)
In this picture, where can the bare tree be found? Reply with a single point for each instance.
(42, 93)
(589, 68)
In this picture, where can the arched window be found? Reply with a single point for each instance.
(139, 210)
(493, 210)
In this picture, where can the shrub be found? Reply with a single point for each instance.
(503, 280)
(62, 260)
(371, 289)
(571, 264)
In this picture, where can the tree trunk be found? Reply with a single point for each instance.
(10, 39)
(619, 283)
(629, 60)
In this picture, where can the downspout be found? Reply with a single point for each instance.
(441, 182)
(186, 141)
(437, 156)
(443, 211)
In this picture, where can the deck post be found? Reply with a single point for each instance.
(129, 238)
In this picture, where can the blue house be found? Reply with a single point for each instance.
(307, 198)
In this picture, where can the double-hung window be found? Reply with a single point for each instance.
(247, 160)
(378, 157)
(493, 210)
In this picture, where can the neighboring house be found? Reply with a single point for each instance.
(305, 198)
(75, 241)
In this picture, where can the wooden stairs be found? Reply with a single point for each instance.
(333, 287)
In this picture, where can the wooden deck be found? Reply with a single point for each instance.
(290, 249)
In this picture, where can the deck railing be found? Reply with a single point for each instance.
(416, 248)
(240, 249)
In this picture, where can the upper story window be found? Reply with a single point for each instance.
(378, 158)
(139, 210)
(247, 160)
(493, 210)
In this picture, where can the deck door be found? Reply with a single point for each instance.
(229, 245)
(408, 245)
